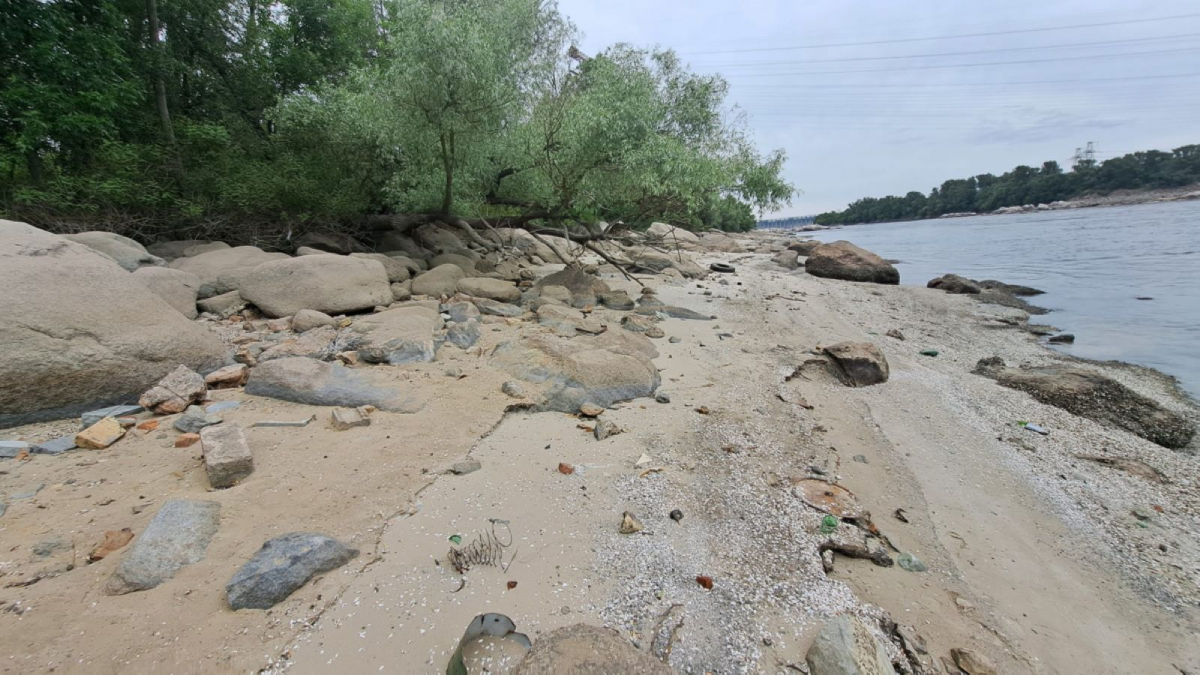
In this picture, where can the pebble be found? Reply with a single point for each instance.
(662, 397)
(465, 467)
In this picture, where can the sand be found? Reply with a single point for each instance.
(1035, 559)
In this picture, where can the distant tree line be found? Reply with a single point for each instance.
(163, 115)
(1029, 185)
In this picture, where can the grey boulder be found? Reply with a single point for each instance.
(127, 253)
(178, 535)
(492, 289)
(303, 380)
(178, 288)
(399, 335)
(439, 281)
(81, 333)
(326, 283)
(952, 283)
(396, 270)
(281, 566)
(220, 270)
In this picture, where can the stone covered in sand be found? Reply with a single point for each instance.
(843, 260)
(1089, 394)
(602, 370)
(88, 333)
(303, 380)
(862, 363)
(588, 649)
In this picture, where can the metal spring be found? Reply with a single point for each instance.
(487, 549)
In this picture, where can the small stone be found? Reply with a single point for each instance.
(964, 604)
(227, 377)
(284, 423)
(1063, 338)
(282, 566)
(91, 417)
(895, 333)
(55, 446)
(10, 449)
(973, 663)
(512, 389)
(148, 426)
(675, 339)
(222, 406)
(662, 397)
(227, 458)
(195, 419)
(676, 515)
(48, 547)
(175, 392)
(590, 410)
(100, 435)
(604, 429)
(630, 524)
(187, 440)
(348, 418)
(861, 459)
(565, 469)
(465, 467)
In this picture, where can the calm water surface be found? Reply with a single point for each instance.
(1092, 263)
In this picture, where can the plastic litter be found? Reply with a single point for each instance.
(828, 524)
(910, 562)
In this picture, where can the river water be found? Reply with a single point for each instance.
(1093, 264)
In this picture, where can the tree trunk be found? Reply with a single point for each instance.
(33, 163)
(160, 86)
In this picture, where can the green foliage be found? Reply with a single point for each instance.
(333, 109)
(1029, 185)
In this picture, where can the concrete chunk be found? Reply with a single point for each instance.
(10, 449)
(100, 435)
(55, 446)
(348, 418)
(227, 457)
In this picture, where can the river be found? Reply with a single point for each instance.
(1093, 263)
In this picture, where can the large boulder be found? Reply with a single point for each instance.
(228, 263)
(396, 269)
(170, 250)
(466, 263)
(326, 283)
(333, 243)
(843, 260)
(719, 241)
(805, 247)
(439, 281)
(952, 283)
(438, 238)
(845, 646)
(399, 335)
(523, 241)
(582, 286)
(178, 288)
(861, 363)
(588, 650)
(670, 235)
(178, 536)
(1089, 394)
(492, 289)
(80, 333)
(281, 566)
(129, 254)
(303, 380)
(601, 370)
(788, 259)
(394, 241)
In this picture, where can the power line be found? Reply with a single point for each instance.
(947, 37)
(963, 84)
(972, 65)
(967, 53)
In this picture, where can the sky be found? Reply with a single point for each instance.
(999, 85)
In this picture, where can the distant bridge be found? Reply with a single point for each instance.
(786, 223)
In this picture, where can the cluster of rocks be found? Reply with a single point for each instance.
(837, 260)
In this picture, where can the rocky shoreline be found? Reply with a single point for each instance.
(818, 464)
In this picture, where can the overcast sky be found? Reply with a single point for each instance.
(913, 122)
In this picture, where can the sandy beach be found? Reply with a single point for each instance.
(1040, 556)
